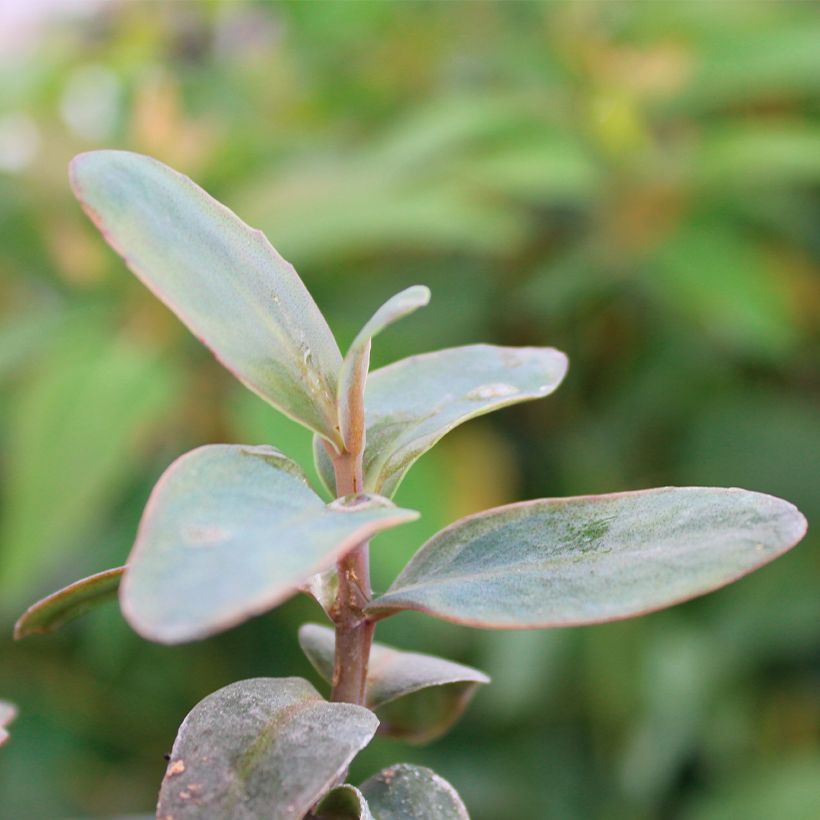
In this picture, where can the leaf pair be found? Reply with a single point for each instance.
(272, 747)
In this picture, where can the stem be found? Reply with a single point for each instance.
(354, 631)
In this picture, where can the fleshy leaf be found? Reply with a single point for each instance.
(416, 697)
(405, 792)
(7, 714)
(222, 278)
(69, 603)
(343, 803)
(357, 361)
(412, 403)
(229, 532)
(591, 559)
(265, 747)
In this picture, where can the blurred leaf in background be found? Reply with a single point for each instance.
(635, 183)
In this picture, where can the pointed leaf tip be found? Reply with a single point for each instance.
(265, 747)
(222, 278)
(592, 559)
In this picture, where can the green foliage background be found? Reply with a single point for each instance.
(634, 183)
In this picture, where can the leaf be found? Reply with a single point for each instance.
(416, 697)
(68, 603)
(73, 439)
(265, 747)
(590, 559)
(222, 278)
(405, 792)
(229, 532)
(412, 403)
(7, 714)
(357, 361)
(343, 803)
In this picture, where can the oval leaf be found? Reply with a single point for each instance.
(343, 803)
(590, 559)
(222, 278)
(405, 792)
(7, 714)
(266, 747)
(416, 697)
(68, 603)
(412, 403)
(357, 361)
(231, 531)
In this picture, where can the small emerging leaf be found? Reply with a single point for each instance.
(343, 803)
(7, 714)
(357, 361)
(69, 603)
(405, 792)
(231, 531)
(412, 403)
(416, 697)
(222, 278)
(265, 747)
(591, 559)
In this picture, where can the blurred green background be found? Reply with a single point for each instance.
(637, 184)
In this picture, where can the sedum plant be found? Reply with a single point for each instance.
(230, 531)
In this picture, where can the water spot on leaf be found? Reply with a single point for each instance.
(492, 391)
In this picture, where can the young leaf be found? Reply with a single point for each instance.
(412, 403)
(357, 361)
(7, 714)
(416, 697)
(405, 792)
(69, 603)
(265, 747)
(229, 532)
(222, 278)
(590, 559)
(343, 803)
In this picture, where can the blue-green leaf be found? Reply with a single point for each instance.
(405, 792)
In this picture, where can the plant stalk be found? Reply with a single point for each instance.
(354, 631)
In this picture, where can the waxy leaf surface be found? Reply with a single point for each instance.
(569, 561)
(7, 714)
(229, 532)
(343, 803)
(69, 603)
(222, 278)
(416, 697)
(412, 403)
(405, 792)
(265, 747)
(357, 361)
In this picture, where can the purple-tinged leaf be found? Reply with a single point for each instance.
(405, 792)
(591, 559)
(412, 403)
(357, 361)
(343, 803)
(416, 697)
(7, 714)
(69, 603)
(231, 531)
(222, 278)
(265, 747)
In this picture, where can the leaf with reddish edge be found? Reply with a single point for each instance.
(69, 603)
(343, 803)
(591, 559)
(222, 278)
(7, 714)
(265, 747)
(406, 792)
(229, 532)
(353, 374)
(412, 403)
(416, 697)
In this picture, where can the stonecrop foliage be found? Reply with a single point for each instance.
(230, 531)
